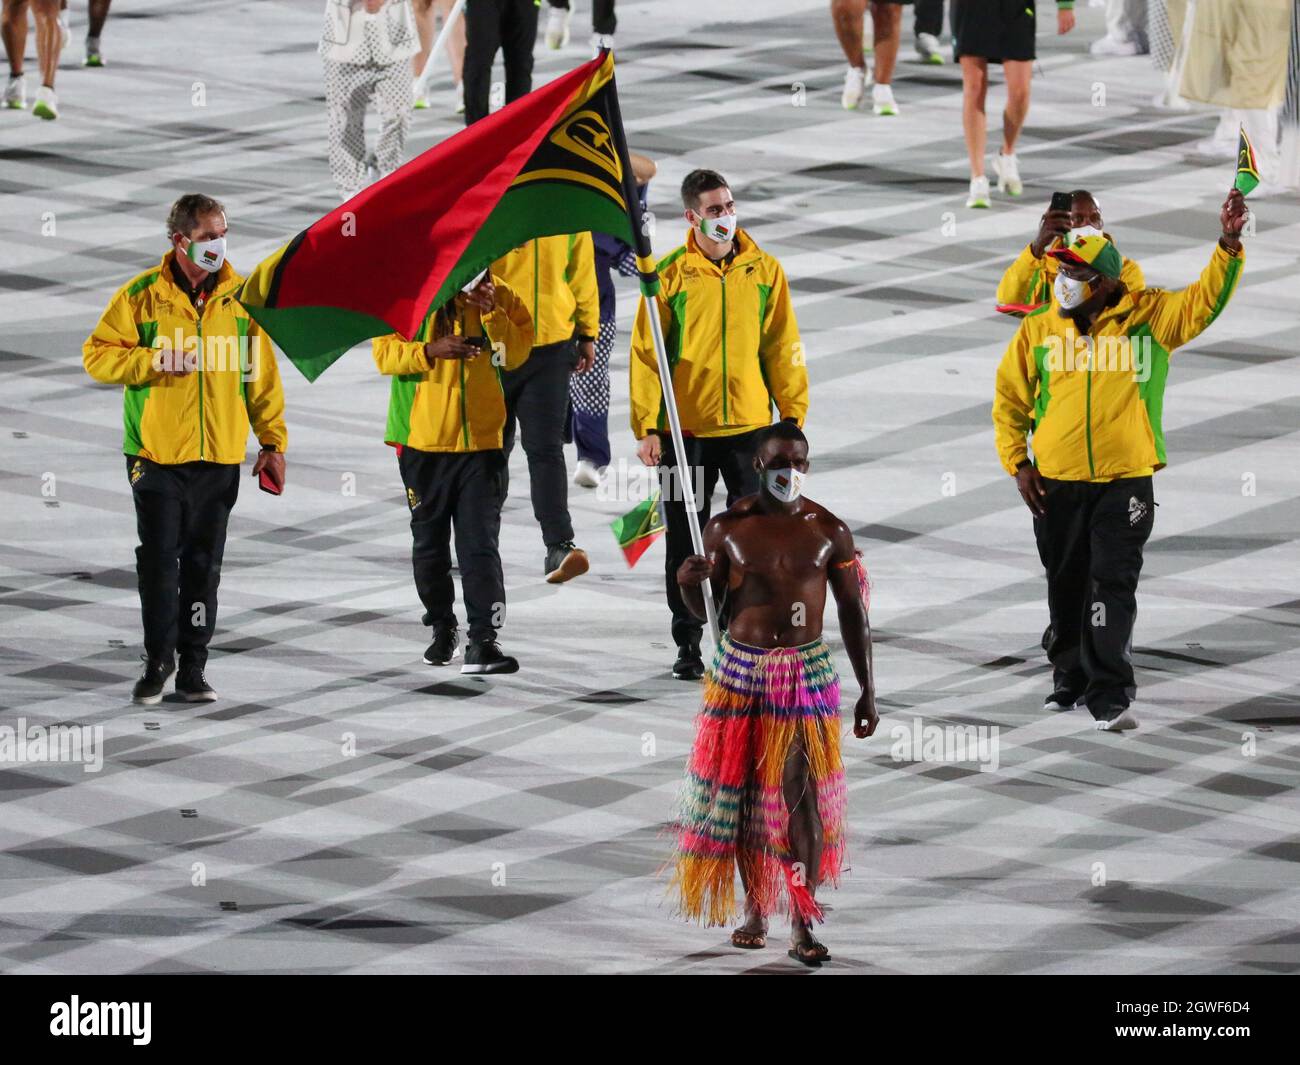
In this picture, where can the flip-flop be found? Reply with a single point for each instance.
(811, 954)
(757, 940)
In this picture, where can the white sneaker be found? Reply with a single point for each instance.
(927, 47)
(420, 101)
(47, 103)
(1008, 172)
(557, 28)
(587, 475)
(1124, 721)
(882, 100)
(460, 98)
(600, 42)
(979, 192)
(1111, 46)
(855, 84)
(16, 93)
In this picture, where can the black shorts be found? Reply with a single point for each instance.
(996, 30)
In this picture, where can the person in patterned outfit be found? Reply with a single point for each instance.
(367, 47)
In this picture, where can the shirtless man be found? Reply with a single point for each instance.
(765, 784)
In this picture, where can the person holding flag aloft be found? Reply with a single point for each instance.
(725, 311)
(1086, 375)
(445, 417)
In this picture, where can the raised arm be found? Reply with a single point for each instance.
(1182, 316)
(846, 579)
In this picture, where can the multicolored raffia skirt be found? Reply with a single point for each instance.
(759, 703)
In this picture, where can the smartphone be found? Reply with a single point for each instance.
(479, 342)
(266, 484)
(1060, 201)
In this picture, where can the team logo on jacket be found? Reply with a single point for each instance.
(412, 500)
(137, 470)
(1137, 510)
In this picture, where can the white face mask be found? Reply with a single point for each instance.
(785, 484)
(1069, 293)
(721, 229)
(1082, 231)
(209, 254)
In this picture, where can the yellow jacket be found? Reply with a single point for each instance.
(204, 415)
(732, 342)
(1028, 281)
(1094, 403)
(454, 404)
(556, 279)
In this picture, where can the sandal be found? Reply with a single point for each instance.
(746, 940)
(810, 954)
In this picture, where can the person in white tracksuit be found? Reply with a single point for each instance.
(367, 47)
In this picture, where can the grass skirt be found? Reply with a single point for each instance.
(758, 702)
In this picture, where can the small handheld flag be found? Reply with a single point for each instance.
(1247, 167)
(638, 529)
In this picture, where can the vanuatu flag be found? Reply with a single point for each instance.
(1247, 168)
(554, 161)
(638, 529)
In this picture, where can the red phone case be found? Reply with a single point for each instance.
(265, 483)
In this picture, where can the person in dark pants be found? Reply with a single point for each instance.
(445, 416)
(196, 371)
(927, 26)
(728, 322)
(1086, 374)
(557, 277)
(603, 24)
(511, 27)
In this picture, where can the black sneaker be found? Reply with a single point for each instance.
(484, 656)
(149, 688)
(193, 686)
(445, 646)
(564, 562)
(689, 664)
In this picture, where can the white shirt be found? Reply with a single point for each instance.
(353, 35)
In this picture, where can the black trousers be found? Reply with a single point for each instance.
(460, 492)
(1090, 542)
(181, 513)
(537, 399)
(928, 17)
(602, 14)
(508, 25)
(728, 457)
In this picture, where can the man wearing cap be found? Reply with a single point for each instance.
(1027, 284)
(1086, 374)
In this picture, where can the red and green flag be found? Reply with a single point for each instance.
(553, 161)
(638, 529)
(1247, 166)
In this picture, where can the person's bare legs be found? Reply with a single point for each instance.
(13, 30)
(98, 14)
(48, 43)
(805, 835)
(1018, 73)
(455, 39)
(848, 17)
(887, 21)
(975, 87)
(752, 932)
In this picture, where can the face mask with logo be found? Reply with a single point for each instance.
(785, 484)
(1070, 293)
(209, 254)
(721, 229)
(1082, 231)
